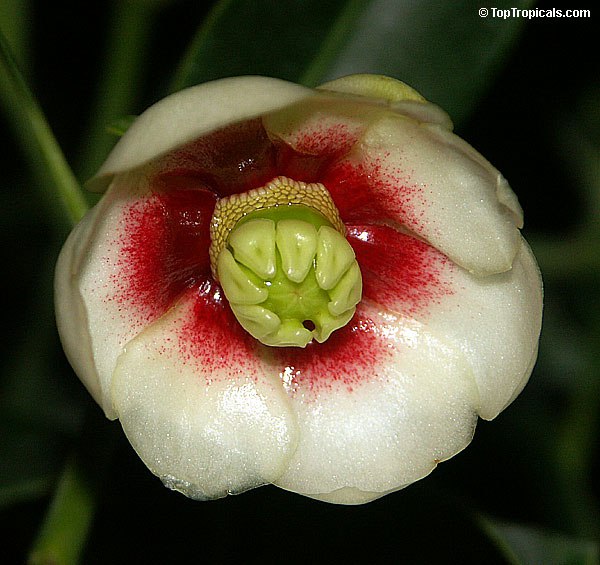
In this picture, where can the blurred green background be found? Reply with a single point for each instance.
(525, 92)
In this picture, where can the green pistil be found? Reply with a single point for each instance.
(289, 276)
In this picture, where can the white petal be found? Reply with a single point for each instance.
(496, 323)
(427, 180)
(201, 412)
(97, 312)
(91, 328)
(493, 320)
(412, 408)
(193, 112)
(504, 192)
(70, 309)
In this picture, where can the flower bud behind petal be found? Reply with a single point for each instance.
(398, 95)
(378, 87)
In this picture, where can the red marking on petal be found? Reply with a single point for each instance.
(348, 358)
(399, 271)
(173, 179)
(234, 159)
(332, 140)
(368, 192)
(211, 338)
(313, 151)
(405, 276)
(162, 248)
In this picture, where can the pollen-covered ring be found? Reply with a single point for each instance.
(281, 191)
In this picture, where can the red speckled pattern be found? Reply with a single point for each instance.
(399, 271)
(314, 152)
(165, 239)
(331, 140)
(348, 358)
(371, 192)
(162, 250)
(210, 338)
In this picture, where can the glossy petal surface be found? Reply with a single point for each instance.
(493, 321)
(361, 419)
(203, 415)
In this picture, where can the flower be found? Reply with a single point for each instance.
(320, 289)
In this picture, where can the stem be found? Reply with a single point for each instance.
(127, 45)
(15, 20)
(36, 138)
(67, 523)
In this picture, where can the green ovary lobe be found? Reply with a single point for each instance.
(289, 276)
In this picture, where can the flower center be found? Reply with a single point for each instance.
(280, 255)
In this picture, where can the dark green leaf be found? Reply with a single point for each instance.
(269, 37)
(445, 50)
(523, 545)
(35, 386)
(29, 463)
(40, 405)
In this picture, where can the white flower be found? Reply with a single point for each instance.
(446, 329)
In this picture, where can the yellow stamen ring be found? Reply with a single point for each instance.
(281, 191)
